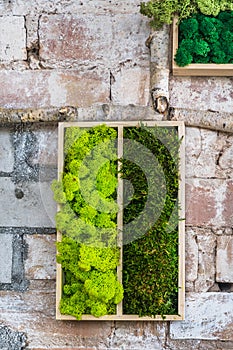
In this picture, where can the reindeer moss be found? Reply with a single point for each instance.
(206, 39)
(162, 11)
(150, 259)
(87, 221)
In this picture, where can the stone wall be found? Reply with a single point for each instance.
(87, 60)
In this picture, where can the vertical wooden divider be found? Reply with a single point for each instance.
(181, 198)
(59, 277)
(120, 213)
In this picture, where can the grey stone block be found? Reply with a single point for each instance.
(6, 252)
(208, 316)
(11, 340)
(29, 204)
(6, 152)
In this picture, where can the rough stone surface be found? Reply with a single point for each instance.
(202, 93)
(224, 259)
(33, 312)
(202, 145)
(6, 152)
(130, 86)
(137, 336)
(215, 196)
(11, 340)
(206, 241)
(64, 6)
(35, 208)
(191, 267)
(41, 257)
(202, 312)
(12, 38)
(6, 252)
(38, 89)
(89, 38)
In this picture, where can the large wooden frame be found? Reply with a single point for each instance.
(196, 69)
(181, 249)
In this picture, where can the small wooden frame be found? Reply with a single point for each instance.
(196, 69)
(181, 198)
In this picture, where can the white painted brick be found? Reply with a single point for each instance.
(131, 86)
(201, 93)
(224, 259)
(206, 261)
(5, 258)
(208, 316)
(191, 248)
(6, 152)
(202, 147)
(138, 336)
(35, 209)
(12, 38)
(215, 196)
(41, 258)
(47, 141)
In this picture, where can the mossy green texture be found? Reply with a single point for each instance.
(150, 259)
(87, 194)
(206, 39)
(91, 285)
(162, 11)
(88, 251)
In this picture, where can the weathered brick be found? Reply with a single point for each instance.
(41, 257)
(65, 348)
(37, 89)
(62, 6)
(205, 201)
(227, 204)
(191, 262)
(12, 38)
(33, 312)
(35, 208)
(6, 151)
(202, 93)
(82, 38)
(138, 335)
(224, 259)
(130, 86)
(208, 316)
(226, 156)
(206, 241)
(6, 258)
(88, 38)
(47, 139)
(128, 41)
(202, 147)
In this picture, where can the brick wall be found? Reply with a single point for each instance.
(91, 56)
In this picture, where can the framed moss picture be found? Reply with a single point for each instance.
(203, 45)
(202, 34)
(120, 221)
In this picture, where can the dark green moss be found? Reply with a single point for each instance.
(150, 259)
(206, 39)
(162, 11)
